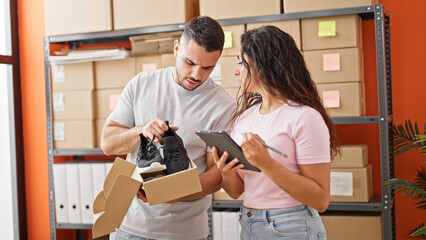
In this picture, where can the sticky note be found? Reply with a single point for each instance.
(331, 99)
(113, 101)
(331, 62)
(149, 67)
(341, 184)
(59, 131)
(58, 102)
(228, 40)
(326, 28)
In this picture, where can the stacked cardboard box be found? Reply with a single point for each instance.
(156, 43)
(355, 227)
(73, 105)
(291, 6)
(111, 78)
(351, 175)
(332, 47)
(144, 13)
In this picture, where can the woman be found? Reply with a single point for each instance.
(279, 106)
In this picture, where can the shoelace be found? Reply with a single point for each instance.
(146, 150)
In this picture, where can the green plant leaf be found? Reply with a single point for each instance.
(419, 232)
(406, 187)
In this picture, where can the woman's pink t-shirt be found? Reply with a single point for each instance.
(297, 130)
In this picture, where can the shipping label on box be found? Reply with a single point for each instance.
(331, 32)
(336, 65)
(340, 189)
(114, 73)
(292, 27)
(72, 77)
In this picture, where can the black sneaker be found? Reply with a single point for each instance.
(148, 157)
(175, 155)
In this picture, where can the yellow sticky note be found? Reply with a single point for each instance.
(331, 99)
(228, 40)
(327, 29)
(331, 62)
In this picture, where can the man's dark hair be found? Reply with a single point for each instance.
(205, 31)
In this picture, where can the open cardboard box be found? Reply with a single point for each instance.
(123, 182)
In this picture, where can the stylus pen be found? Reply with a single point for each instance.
(273, 149)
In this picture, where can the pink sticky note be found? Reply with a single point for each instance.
(331, 99)
(331, 62)
(149, 67)
(113, 101)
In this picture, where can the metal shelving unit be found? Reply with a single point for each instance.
(378, 204)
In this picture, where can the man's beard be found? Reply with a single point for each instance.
(190, 78)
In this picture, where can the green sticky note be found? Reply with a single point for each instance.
(228, 40)
(327, 29)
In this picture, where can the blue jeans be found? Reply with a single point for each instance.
(301, 222)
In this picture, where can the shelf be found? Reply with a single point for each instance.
(355, 120)
(78, 152)
(373, 206)
(73, 226)
(366, 12)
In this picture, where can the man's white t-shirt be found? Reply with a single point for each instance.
(156, 95)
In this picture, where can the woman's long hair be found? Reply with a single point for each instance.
(281, 71)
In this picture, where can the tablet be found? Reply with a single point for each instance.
(223, 142)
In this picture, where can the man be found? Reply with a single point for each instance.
(190, 101)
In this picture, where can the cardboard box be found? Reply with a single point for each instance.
(292, 27)
(343, 99)
(353, 156)
(154, 43)
(227, 66)
(78, 16)
(351, 184)
(223, 9)
(232, 39)
(73, 76)
(148, 63)
(223, 196)
(331, 32)
(168, 60)
(106, 100)
(144, 13)
(99, 125)
(73, 134)
(291, 6)
(353, 227)
(114, 73)
(123, 182)
(73, 105)
(336, 65)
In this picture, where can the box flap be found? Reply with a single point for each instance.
(121, 196)
(99, 203)
(120, 166)
(102, 225)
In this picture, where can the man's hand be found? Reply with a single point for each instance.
(141, 195)
(157, 127)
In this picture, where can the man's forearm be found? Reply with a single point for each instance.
(118, 141)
